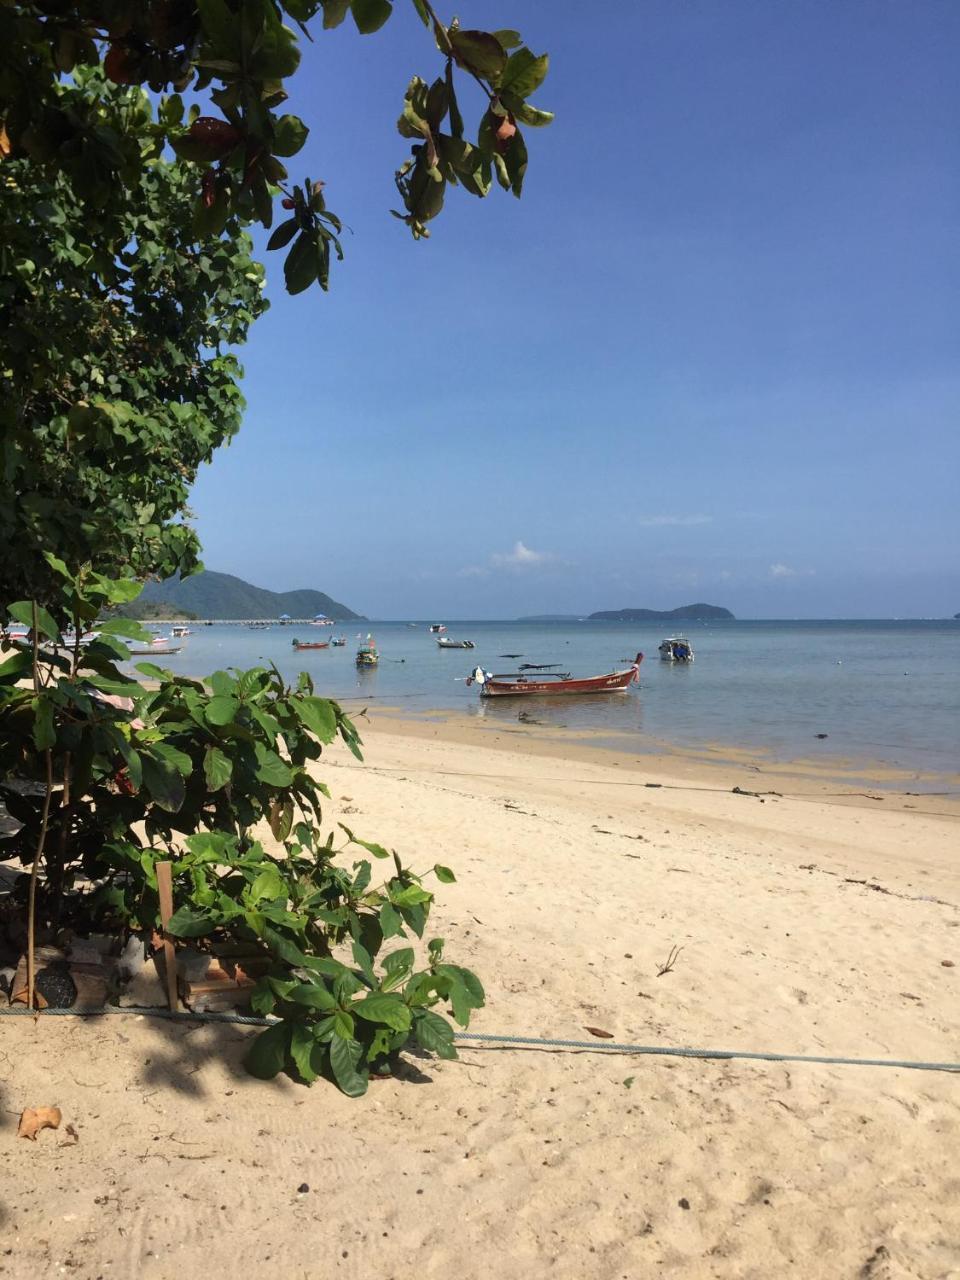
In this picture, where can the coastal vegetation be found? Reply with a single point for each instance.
(127, 282)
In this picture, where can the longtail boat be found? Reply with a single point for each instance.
(311, 644)
(554, 682)
(445, 643)
(367, 655)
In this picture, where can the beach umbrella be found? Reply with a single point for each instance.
(319, 617)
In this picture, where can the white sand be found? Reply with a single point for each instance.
(574, 881)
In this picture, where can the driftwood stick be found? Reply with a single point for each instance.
(165, 887)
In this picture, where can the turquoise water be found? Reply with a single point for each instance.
(881, 691)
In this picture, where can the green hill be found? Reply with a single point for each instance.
(221, 595)
(686, 613)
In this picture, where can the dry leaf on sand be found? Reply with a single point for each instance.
(36, 1118)
(599, 1033)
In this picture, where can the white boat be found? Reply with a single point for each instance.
(180, 631)
(437, 629)
(444, 642)
(676, 649)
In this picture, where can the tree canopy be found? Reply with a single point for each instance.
(239, 53)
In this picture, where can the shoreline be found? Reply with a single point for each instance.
(835, 777)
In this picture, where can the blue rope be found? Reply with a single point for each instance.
(528, 1042)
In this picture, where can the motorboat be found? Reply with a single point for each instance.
(437, 629)
(367, 655)
(676, 649)
(444, 642)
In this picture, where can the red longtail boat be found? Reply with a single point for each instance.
(553, 683)
(311, 644)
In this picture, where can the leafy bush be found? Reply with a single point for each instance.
(108, 776)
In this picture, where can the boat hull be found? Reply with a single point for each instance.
(615, 682)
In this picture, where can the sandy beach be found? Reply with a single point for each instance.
(815, 916)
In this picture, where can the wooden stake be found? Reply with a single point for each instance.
(165, 886)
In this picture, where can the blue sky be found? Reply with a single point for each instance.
(710, 355)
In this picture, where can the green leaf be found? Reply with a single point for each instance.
(524, 72)
(22, 611)
(221, 710)
(217, 768)
(162, 780)
(283, 234)
(390, 921)
(509, 39)
(435, 1034)
(364, 963)
(178, 760)
(125, 627)
(151, 670)
(398, 961)
(268, 1053)
(187, 923)
(528, 114)
(312, 996)
(16, 666)
(270, 768)
(377, 850)
(370, 15)
(389, 1010)
(44, 733)
(289, 135)
(334, 12)
(222, 684)
(300, 267)
(319, 716)
(345, 1058)
(480, 51)
(303, 1051)
(343, 1025)
(444, 874)
(422, 12)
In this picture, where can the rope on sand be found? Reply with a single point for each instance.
(524, 1042)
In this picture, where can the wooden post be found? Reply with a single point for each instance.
(165, 887)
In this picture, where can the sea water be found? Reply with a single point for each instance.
(884, 692)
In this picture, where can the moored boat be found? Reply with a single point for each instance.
(160, 647)
(338, 642)
(367, 655)
(676, 649)
(311, 644)
(553, 683)
(177, 632)
(444, 642)
(437, 629)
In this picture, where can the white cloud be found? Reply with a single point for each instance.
(657, 522)
(779, 570)
(521, 557)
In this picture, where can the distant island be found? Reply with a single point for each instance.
(686, 613)
(221, 595)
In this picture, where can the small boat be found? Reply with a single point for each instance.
(367, 655)
(437, 629)
(159, 647)
(444, 642)
(676, 649)
(338, 642)
(180, 631)
(311, 644)
(554, 682)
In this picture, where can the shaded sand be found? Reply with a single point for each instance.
(574, 882)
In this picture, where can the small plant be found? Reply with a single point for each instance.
(671, 960)
(108, 776)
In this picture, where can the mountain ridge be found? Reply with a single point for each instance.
(209, 594)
